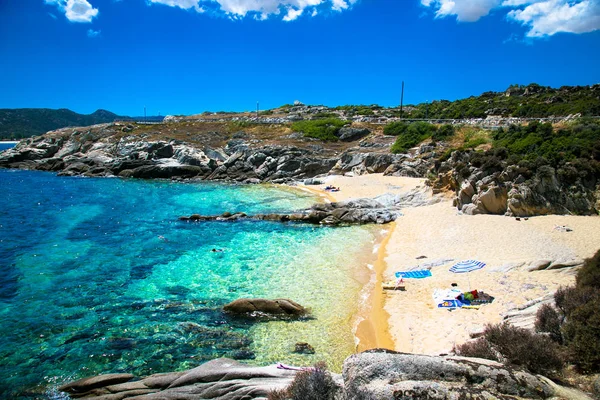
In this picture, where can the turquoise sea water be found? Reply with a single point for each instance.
(99, 276)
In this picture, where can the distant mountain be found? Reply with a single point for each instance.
(19, 123)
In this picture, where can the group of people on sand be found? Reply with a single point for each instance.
(332, 188)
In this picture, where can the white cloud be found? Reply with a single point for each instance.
(92, 33)
(75, 10)
(545, 18)
(465, 10)
(541, 17)
(260, 9)
(292, 14)
(185, 4)
(339, 5)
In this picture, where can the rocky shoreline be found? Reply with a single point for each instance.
(375, 374)
(104, 150)
(482, 184)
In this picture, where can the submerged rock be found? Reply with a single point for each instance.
(304, 348)
(277, 307)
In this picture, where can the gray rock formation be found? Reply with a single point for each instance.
(276, 307)
(375, 374)
(498, 188)
(356, 211)
(385, 375)
(380, 210)
(221, 379)
(97, 151)
(348, 134)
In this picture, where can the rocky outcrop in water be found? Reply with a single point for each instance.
(375, 374)
(380, 210)
(276, 307)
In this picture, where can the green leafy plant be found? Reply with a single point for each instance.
(323, 129)
(408, 135)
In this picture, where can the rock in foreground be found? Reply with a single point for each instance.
(376, 374)
(388, 375)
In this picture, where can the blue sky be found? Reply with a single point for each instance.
(189, 56)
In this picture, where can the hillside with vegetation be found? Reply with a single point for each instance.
(21, 123)
(531, 101)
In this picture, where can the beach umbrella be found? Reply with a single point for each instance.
(466, 267)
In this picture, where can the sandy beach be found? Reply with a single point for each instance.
(409, 321)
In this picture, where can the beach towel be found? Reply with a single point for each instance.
(420, 274)
(447, 298)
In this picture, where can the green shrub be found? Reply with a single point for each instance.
(324, 129)
(443, 132)
(580, 307)
(479, 348)
(582, 335)
(409, 135)
(537, 353)
(589, 274)
(570, 298)
(548, 321)
(395, 128)
(477, 141)
(580, 140)
(313, 384)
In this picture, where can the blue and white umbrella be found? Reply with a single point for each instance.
(466, 267)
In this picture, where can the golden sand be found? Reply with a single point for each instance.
(408, 320)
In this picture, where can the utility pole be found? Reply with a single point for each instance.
(257, 110)
(401, 99)
(144, 114)
(427, 109)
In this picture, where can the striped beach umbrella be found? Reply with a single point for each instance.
(466, 267)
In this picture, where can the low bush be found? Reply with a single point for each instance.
(395, 128)
(479, 348)
(537, 353)
(589, 274)
(324, 129)
(515, 346)
(548, 321)
(408, 135)
(582, 335)
(580, 309)
(443, 132)
(313, 384)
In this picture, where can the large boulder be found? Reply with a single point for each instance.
(220, 379)
(386, 375)
(276, 307)
(348, 134)
(493, 200)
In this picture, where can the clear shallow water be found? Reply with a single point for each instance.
(99, 276)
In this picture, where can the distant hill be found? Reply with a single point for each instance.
(19, 123)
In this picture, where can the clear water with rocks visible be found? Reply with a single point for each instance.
(99, 276)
